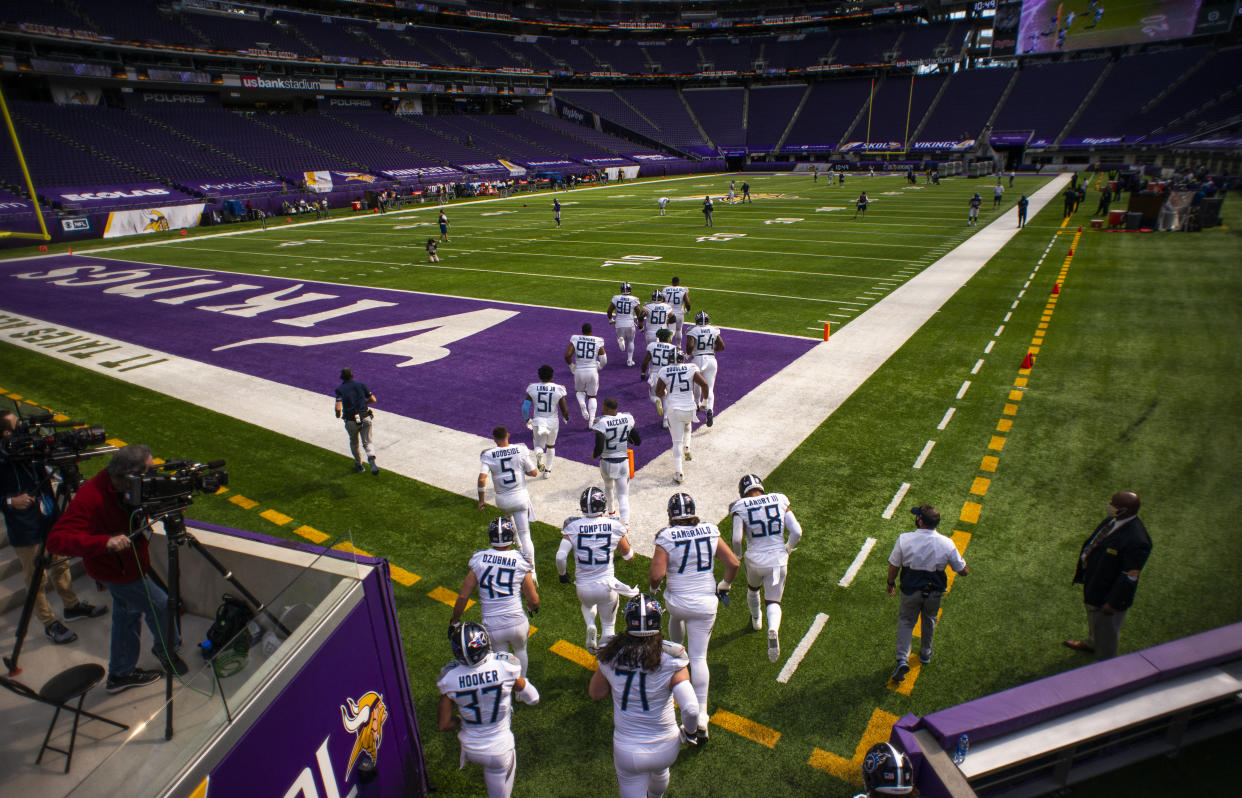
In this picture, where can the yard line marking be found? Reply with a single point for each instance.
(962, 391)
(574, 654)
(948, 414)
(745, 727)
(987, 350)
(857, 564)
(1008, 316)
(1014, 306)
(923, 454)
(1026, 285)
(279, 519)
(804, 646)
(1021, 293)
(311, 534)
(897, 497)
(978, 365)
(998, 332)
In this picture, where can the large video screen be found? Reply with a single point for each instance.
(1051, 26)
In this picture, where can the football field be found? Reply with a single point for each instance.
(227, 346)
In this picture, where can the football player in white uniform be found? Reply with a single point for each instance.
(481, 684)
(644, 674)
(677, 381)
(678, 296)
(658, 315)
(509, 466)
(685, 554)
(659, 355)
(543, 410)
(503, 578)
(663, 203)
(614, 432)
(594, 539)
(625, 312)
(703, 341)
(586, 356)
(764, 518)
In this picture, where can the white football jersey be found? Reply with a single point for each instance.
(642, 701)
(507, 466)
(678, 379)
(658, 316)
(616, 432)
(545, 398)
(484, 697)
(704, 337)
(691, 577)
(588, 351)
(763, 520)
(500, 575)
(675, 295)
(625, 306)
(661, 355)
(595, 540)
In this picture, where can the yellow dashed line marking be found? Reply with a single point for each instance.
(1043, 325)
(970, 512)
(244, 503)
(980, 486)
(446, 596)
(1020, 382)
(878, 730)
(279, 519)
(311, 534)
(989, 464)
(117, 442)
(1015, 396)
(1004, 425)
(575, 654)
(349, 548)
(14, 395)
(221, 491)
(747, 728)
(907, 684)
(1034, 350)
(402, 576)
(1010, 409)
(60, 417)
(918, 623)
(997, 443)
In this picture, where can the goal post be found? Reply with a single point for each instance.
(21, 161)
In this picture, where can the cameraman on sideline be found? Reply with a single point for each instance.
(29, 511)
(352, 398)
(96, 527)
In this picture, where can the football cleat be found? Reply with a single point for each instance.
(501, 532)
(748, 483)
(701, 318)
(471, 643)
(592, 645)
(593, 501)
(887, 771)
(681, 507)
(756, 622)
(710, 416)
(626, 288)
(642, 616)
(774, 646)
(678, 478)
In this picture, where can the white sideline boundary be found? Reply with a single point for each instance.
(781, 412)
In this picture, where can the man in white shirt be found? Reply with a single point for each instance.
(509, 465)
(543, 409)
(586, 356)
(663, 203)
(614, 432)
(920, 557)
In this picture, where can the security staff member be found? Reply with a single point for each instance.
(1108, 570)
(921, 557)
(352, 398)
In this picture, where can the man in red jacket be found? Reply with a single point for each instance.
(96, 526)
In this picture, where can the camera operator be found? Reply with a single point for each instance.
(96, 526)
(29, 511)
(352, 400)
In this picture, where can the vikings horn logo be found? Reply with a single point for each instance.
(357, 177)
(364, 719)
(156, 221)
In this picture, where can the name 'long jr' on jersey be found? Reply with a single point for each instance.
(545, 398)
(763, 519)
(484, 697)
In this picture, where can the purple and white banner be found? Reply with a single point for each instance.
(152, 220)
(95, 197)
(194, 98)
(1092, 141)
(872, 146)
(952, 145)
(485, 168)
(323, 181)
(1010, 139)
(424, 174)
(458, 363)
(239, 186)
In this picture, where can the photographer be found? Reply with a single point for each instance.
(96, 526)
(352, 400)
(29, 511)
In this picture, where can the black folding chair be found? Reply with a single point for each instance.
(58, 692)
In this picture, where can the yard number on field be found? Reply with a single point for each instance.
(630, 260)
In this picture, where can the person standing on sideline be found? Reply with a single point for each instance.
(543, 409)
(685, 555)
(703, 341)
(444, 226)
(732, 191)
(678, 296)
(861, 205)
(352, 404)
(998, 193)
(646, 738)
(29, 512)
(97, 526)
(1071, 200)
(921, 557)
(707, 211)
(596, 541)
(1023, 203)
(763, 518)
(432, 246)
(503, 578)
(485, 736)
(585, 356)
(510, 465)
(556, 210)
(972, 220)
(1011, 176)
(677, 381)
(1106, 199)
(614, 432)
(746, 192)
(1108, 570)
(663, 203)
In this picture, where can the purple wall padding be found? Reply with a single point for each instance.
(1197, 651)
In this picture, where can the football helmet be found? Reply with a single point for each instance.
(749, 483)
(681, 507)
(702, 318)
(501, 532)
(679, 356)
(471, 643)
(887, 771)
(626, 288)
(593, 501)
(664, 334)
(642, 616)
(657, 295)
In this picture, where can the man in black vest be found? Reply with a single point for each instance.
(1108, 570)
(353, 400)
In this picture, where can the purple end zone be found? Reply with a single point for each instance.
(477, 385)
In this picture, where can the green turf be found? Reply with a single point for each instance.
(1134, 388)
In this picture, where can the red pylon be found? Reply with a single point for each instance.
(1056, 288)
(1028, 361)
